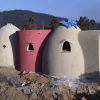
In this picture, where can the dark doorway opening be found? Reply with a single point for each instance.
(30, 47)
(66, 47)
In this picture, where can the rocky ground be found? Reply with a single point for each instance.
(15, 85)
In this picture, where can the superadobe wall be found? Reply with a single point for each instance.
(8, 46)
(57, 62)
(90, 45)
(30, 46)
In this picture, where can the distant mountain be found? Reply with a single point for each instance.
(19, 18)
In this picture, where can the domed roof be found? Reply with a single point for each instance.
(6, 31)
(9, 28)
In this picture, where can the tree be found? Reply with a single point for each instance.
(54, 23)
(47, 27)
(85, 24)
(30, 24)
(98, 26)
(92, 25)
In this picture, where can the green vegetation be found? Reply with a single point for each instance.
(98, 26)
(54, 24)
(27, 20)
(85, 24)
(30, 24)
(20, 17)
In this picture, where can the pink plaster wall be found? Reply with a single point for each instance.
(30, 60)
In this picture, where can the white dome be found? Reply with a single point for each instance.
(8, 45)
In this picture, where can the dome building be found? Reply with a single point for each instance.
(71, 52)
(66, 51)
(8, 46)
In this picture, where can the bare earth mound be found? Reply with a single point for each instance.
(15, 85)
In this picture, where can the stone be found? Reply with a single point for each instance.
(52, 90)
(33, 96)
(56, 89)
(70, 94)
(54, 96)
(92, 91)
(98, 88)
(2, 88)
(83, 98)
(61, 89)
(37, 91)
(26, 91)
(83, 89)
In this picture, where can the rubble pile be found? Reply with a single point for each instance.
(15, 85)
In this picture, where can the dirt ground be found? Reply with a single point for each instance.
(15, 85)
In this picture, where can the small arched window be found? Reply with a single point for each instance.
(66, 47)
(30, 47)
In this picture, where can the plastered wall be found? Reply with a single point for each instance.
(89, 42)
(59, 63)
(83, 59)
(8, 46)
(31, 59)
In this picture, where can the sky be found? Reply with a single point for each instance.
(72, 9)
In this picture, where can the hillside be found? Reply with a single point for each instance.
(19, 17)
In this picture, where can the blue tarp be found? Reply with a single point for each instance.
(69, 23)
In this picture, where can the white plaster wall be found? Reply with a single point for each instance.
(89, 41)
(57, 63)
(8, 38)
